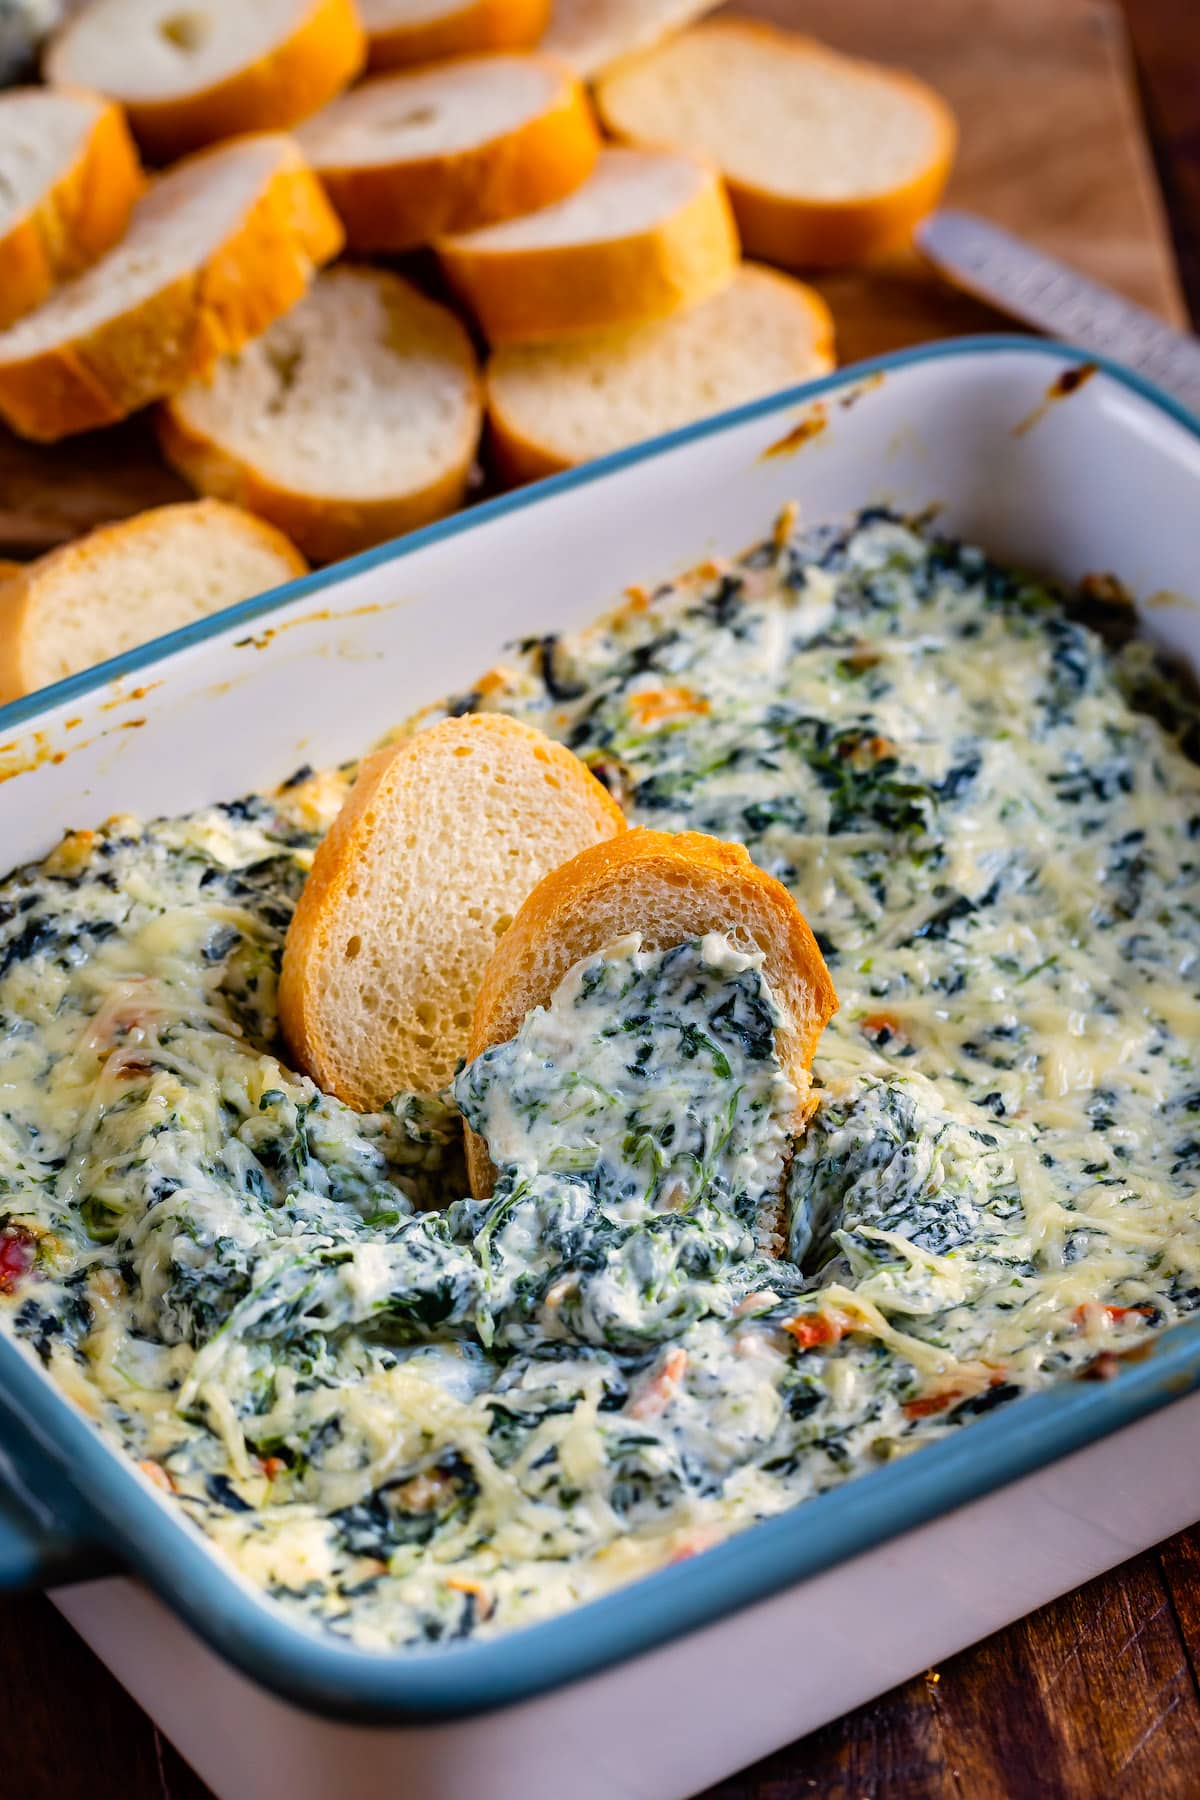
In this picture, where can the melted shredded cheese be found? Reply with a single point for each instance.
(412, 1417)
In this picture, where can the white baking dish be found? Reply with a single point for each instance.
(703, 1667)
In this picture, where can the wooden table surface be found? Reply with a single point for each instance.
(1097, 156)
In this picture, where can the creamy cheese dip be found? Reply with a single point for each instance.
(414, 1417)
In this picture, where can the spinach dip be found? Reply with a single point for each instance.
(413, 1417)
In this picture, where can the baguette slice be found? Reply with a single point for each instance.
(215, 251)
(191, 74)
(552, 406)
(69, 176)
(340, 452)
(407, 157)
(124, 584)
(671, 887)
(592, 34)
(648, 233)
(442, 838)
(828, 159)
(403, 32)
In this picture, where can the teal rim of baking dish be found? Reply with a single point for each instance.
(67, 1472)
(246, 612)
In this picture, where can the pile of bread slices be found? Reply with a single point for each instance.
(369, 229)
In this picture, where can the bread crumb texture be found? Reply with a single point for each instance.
(442, 839)
(340, 451)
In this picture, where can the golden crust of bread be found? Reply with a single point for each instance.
(519, 454)
(404, 205)
(325, 529)
(786, 228)
(76, 220)
(463, 30)
(516, 458)
(548, 291)
(175, 335)
(22, 583)
(300, 75)
(403, 814)
(670, 887)
(814, 234)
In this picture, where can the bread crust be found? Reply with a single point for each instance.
(405, 204)
(516, 458)
(518, 455)
(299, 75)
(326, 529)
(20, 584)
(638, 26)
(315, 1035)
(797, 232)
(550, 291)
(618, 887)
(76, 219)
(326, 526)
(462, 30)
(176, 335)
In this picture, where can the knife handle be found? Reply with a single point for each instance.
(1050, 295)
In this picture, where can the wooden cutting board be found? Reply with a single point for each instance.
(1052, 147)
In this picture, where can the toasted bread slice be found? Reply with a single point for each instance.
(407, 157)
(191, 74)
(592, 34)
(828, 159)
(648, 233)
(671, 887)
(124, 584)
(339, 451)
(403, 32)
(215, 251)
(551, 406)
(69, 176)
(441, 840)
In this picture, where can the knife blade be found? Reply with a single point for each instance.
(1009, 273)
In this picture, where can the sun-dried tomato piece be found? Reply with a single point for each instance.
(18, 1251)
